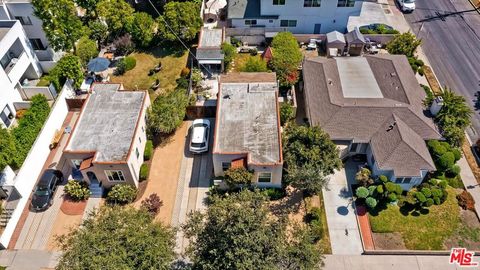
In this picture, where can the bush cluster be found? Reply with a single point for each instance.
(147, 154)
(77, 191)
(235, 177)
(144, 172)
(314, 220)
(466, 201)
(152, 204)
(287, 113)
(428, 193)
(445, 156)
(130, 62)
(274, 193)
(122, 194)
(374, 193)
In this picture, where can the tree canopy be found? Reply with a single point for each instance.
(68, 67)
(142, 29)
(118, 15)
(310, 156)
(167, 112)
(239, 232)
(286, 58)
(118, 238)
(86, 50)
(60, 22)
(183, 18)
(405, 43)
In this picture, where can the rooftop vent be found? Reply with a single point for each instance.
(227, 96)
(393, 74)
(330, 82)
(392, 126)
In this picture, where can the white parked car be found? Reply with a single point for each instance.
(312, 44)
(406, 5)
(199, 136)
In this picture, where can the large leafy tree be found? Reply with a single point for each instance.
(405, 43)
(98, 31)
(143, 29)
(167, 112)
(118, 15)
(60, 22)
(90, 6)
(7, 148)
(68, 67)
(286, 58)
(118, 238)
(183, 18)
(86, 49)
(310, 156)
(239, 232)
(454, 117)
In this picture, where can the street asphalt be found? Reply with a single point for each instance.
(450, 30)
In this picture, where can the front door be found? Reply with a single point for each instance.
(92, 178)
(316, 29)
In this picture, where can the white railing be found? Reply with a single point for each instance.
(32, 167)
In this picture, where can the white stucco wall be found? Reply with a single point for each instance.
(328, 15)
(32, 167)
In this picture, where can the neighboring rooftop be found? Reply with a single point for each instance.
(210, 38)
(357, 104)
(205, 54)
(335, 37)
(247, 117)
(245, 9)
(107, 122)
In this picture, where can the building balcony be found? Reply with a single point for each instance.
(17, 67)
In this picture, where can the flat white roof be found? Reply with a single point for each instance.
(357, 78)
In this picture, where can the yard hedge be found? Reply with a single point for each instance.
(122, 194)
(144, 172)
(147, 154)
(25, 134)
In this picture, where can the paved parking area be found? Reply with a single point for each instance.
(196, 172)
(341, 217)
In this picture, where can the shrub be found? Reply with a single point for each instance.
(315, 214)
(466, 201)
(373, 190)
(152, 204)
(253, 52)
(167, 112)
(238, 176)
(454, 170)
(86, 49)
(437, 200)
(363, 177)
(437, 148)
(235, 42)
(130, 62)
(427, 192)
(123, 45)
(122, 194)
(229, 53)
(391, 187)
(68, 67)
(446, 160)
(286, 113)
(420, 197)
(147, 154)
(144, 171)
(443, 184)
(383, 178)
(274, 193)
(362, 192)
(316, 228)
(185, 71)
(392, 197)
(429, 202)
(436, 193)
(121, 68)
(76, 190)
(371, 202)
(457, 154)
(255, 64)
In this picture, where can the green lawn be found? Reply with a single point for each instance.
(172, 64)
(240, 60)
(424, 231)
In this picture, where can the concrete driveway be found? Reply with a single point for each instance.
(196, 171)
(340, 212)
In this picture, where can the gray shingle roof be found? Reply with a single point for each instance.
(359, 119)
(335, 37)
(245, 9)
(355, 37)
(209, 54)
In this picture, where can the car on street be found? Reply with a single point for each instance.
(43, 193)
(200, 133)
(406, 5)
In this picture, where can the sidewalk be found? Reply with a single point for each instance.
(470, 182)
(28, 259)
(341, 214)
(389, 262)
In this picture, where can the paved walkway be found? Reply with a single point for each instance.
(28, 259)
(341, 214)
(470, 182)
(389, 262)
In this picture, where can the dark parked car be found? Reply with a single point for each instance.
(43, 194)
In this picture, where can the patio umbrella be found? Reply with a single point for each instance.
(98, 64)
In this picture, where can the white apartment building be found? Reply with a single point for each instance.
(22, 10)
(296, 16)
(19, 65)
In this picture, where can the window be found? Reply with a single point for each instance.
(143, 130)
(353, 147)
(115, 175)
(139, 140)
(288, 23)
(6, 116)
(137, 153)
(270, 21)
(250, 22)
(24, 20)
(278, 2)
(226, 165)
(264, 177)
(311, 3)
(403, 180)
(37, 44)
(346, 3)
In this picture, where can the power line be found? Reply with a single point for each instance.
(177, 37)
